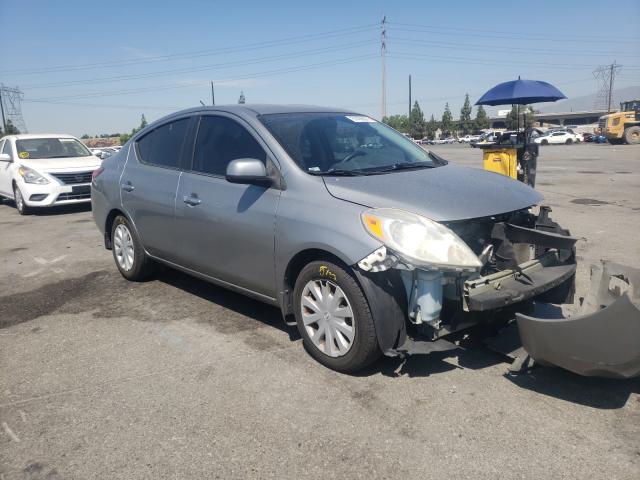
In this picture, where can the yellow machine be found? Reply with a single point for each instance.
(622, 126)
(502, 160)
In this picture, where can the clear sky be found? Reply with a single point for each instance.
(95, 67)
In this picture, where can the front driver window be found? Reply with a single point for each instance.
(221, 140)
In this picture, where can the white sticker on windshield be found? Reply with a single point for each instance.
(360, 119)
(314, 169)
(66, 140)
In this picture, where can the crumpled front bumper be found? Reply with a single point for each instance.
(603, 338)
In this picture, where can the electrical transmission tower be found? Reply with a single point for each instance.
(383, 51)
(605, 75)
(11, 108)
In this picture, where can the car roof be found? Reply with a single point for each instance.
(264, 109)
(26, 136)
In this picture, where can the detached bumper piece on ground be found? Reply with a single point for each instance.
(602, 338)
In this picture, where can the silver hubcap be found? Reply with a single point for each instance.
(19, 201)
(123, 247)
(327, 317)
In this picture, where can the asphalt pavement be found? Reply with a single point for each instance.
(176, 378)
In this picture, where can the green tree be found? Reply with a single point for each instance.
(11, 129)
(465, 123)
(399, 122)
(482, 121)
(431, 127)
(525, 120)
(417, 125)
(85, 136)
(242, 99)
(124, 138)
(446, 124)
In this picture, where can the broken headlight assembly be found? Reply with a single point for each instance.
(419, 240)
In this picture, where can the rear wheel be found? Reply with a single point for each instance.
(544, 142)
(128, 253)
(333, 317)
(632, 135)
(22, 207)
(569, 141)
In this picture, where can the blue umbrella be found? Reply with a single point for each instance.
(521, 92)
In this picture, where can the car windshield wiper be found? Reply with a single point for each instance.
(404, 166)
(339, 172)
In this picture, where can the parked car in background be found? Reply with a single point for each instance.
(42, 170)
(369, 243)
(557, 137)
(588, 137)
(484, 139)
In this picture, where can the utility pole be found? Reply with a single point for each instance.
(612, 76)
(409, 104)
(383, 51)
(4, 122)
(213, 97)
(409, 98)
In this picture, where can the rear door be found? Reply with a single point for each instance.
(226, 230)
(149, 182)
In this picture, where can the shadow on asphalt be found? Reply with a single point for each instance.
(554, 382)
(241, 304)
(55, 210)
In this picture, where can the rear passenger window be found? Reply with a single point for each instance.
(163, 145)
(221, 140)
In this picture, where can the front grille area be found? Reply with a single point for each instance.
(74, 178)
(74, 196)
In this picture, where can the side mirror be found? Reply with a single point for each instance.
(248, 171)
(5, 157)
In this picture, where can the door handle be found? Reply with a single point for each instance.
(191, 200)
(127, 187)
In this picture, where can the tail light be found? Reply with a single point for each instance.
(97, 172)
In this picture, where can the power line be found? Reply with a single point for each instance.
(203, 68)
(383, 52)
(512, 35)
(476, 46)
(194, 54)
(200, 83)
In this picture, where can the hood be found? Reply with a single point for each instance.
(62, 164)
(443, 194)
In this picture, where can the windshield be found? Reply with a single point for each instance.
(50, 148)
(326, 143)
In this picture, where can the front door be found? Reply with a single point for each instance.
(226, 230)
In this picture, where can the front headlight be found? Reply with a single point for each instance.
(29, 175)
(419, 239)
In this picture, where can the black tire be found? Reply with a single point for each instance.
(21, 207)
(142, 265)
(364, 349)
(569, 141)
(632, 135)
(544, 142)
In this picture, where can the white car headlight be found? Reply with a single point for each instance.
(419, 239)
(29, 175)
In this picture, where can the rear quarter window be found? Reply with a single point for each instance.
(163, 145)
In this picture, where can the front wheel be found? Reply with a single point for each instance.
(333, 317)
(569, 141)
(22, 207)
(632, 135)
(545, 142)
(128, 253)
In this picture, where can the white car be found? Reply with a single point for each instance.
(45, 170)
(557, 137)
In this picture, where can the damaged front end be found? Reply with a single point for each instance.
(520, 256)
(601, 338)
